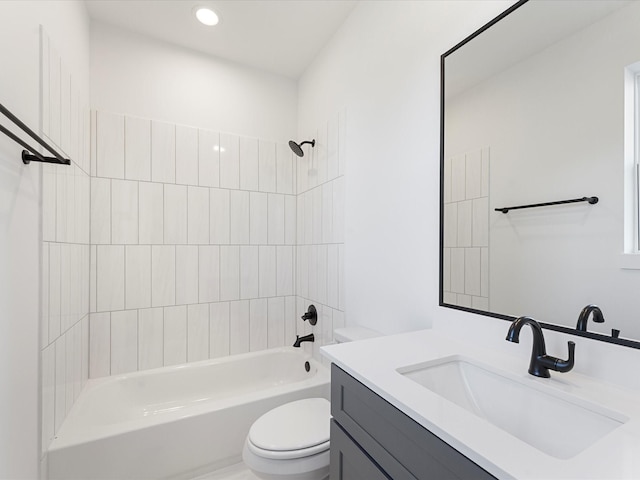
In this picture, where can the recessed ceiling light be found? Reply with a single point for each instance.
(207, 16)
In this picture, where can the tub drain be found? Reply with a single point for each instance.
(307, 366)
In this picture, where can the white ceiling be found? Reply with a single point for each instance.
(279, 36)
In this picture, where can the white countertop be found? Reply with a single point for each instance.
(374, 362)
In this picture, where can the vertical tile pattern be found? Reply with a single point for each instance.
(466, 229)
(209, 237)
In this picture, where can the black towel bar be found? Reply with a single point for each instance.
(30, 154)
(591, 201)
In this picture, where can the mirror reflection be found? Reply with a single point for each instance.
(542, 107)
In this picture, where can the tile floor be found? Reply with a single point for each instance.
(234, 472)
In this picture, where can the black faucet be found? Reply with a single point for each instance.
(306, 338)
(584, 316)
(540, 361)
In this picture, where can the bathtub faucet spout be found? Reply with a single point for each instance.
(306, 338)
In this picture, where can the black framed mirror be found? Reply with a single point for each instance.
(535, 110)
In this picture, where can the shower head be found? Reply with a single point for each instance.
(297, 148)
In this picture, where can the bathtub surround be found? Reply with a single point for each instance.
(64, 328)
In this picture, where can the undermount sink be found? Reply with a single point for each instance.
(554, 423)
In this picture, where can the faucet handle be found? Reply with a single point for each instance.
(311, 315)
(566, 365)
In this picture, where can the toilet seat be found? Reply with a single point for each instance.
(294, 430)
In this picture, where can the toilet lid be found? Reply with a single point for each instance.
(293, 426)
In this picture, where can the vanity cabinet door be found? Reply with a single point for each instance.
(349, 461)
(399, 445)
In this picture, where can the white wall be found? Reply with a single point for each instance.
(383, 65)
(67, 25)
(138, 76)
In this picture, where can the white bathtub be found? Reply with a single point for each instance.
(178, 422)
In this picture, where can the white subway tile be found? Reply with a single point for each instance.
(325, 319)
(48, 395)
(48, 203)
(312, 260)
(93, 280)
(465, 220)
(186, 274)
(338, 210)
(137, 149)
(198, 215)
(175, 335)
(333, 146)
(85, 350)
(219, 329)
(484, 181)
(457, 270)
(258, 218)
(44, 296)
(275, 322)
(290, 320)
(62, 206)
(163, 152)
(300, 219)
(209, 273)
(110, 278)
(472, 271)
(239, 327)
(229, 161)
(93, 116)
(308, 217)
(45, 60)
(276, 222)
(301, 166)
(480, 233)
(197, 332)
(151, 214)
(124, 212)
(65, 108)
(322, 274)
(110, 145)
(332, 276)
(266, 166)
(284, 169)
(208, 158)
(473, 176)
(458, 178)
(54, 94)
(258, 327)
(463, 300)
(338, 319)
(284, 271)
(317, 216)
(320, 154)
(484, 272)
(289, 220)
(446, 194)
(342, 141)
(175, 214)
(100, 211)
(249, 272)
(150, 338)
(137, 276)
(451, 224)
(267, 271)
(163, 275)
(239, 216)
(249, 163)
(124, 342)
(480, 303)
(302, 276)
(186, 155)
(449, 298)
(229, 273)
(327, 213)
(341, 280)
(65, 287)
(61, 382)
(446, 269)
(219, 216)
(99, 345)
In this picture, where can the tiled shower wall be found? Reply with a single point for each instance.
(193, 237)
(466, 230)
(320, 231)
(65, 246)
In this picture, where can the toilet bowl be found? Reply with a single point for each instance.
(290, 442)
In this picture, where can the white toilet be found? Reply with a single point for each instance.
(292, 440)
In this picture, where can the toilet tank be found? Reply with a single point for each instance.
(351, 334)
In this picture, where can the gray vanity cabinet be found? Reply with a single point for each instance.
(371, 439)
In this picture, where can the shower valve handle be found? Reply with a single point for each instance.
(311, 315)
